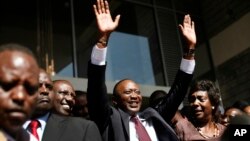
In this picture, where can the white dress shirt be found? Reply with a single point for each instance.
(148, 126)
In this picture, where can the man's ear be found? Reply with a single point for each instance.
(114, 100)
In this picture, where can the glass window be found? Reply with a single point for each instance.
(129, 57)
(136, 38)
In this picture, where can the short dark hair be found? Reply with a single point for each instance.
(80, 93)
(212, 91)
(241, 104)
(115, 92)
(209, 86)
(16, 47)
(156, 97)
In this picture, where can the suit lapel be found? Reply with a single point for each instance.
(161, 126)
(120, 125)
(125, 121)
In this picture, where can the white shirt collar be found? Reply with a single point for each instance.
(42, 120)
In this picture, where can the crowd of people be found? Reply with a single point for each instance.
(35, 108)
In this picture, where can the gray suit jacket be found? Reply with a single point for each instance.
(60, 128)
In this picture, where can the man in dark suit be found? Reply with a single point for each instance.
(19, 72)
(55, 127)
(115, 122)
(80, 109)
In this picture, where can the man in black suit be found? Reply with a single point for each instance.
(114, 122)
(55, 127)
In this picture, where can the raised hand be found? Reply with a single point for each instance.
(105, 23)
(188, 31)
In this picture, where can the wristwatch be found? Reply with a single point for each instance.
(103, 42)
(189, 53)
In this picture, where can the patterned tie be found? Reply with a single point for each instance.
(140, 130)
(34, 124)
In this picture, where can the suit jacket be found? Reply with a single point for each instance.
(21, 135)
(62, 128)
(113, 122)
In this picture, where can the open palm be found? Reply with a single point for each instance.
(188, 30)
(105, 22)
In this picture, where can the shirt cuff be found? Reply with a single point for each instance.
(98, 56)
(187, 66)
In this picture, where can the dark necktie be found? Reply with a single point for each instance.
(140, 130)
(34, 124)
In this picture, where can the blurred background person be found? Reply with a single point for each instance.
(243, 105)
(230, 112)
(156, 97)
(238, 122)
(80, 109)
